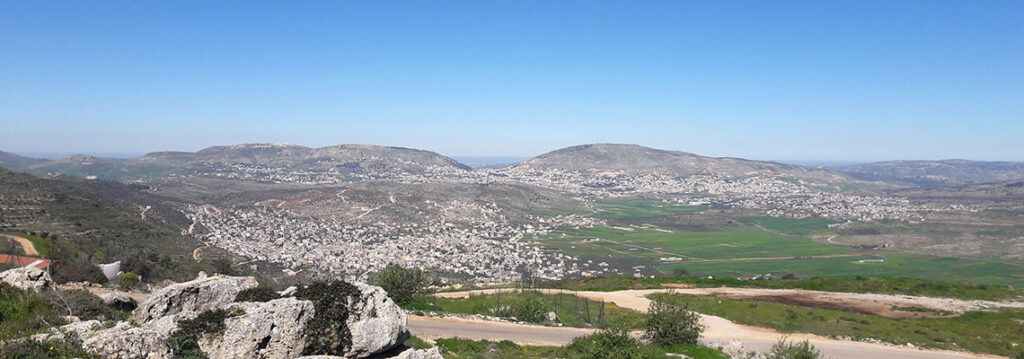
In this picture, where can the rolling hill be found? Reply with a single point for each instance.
(936, 173)
(635, 159)
(341, 160)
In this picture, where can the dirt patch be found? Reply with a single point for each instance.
(853, 306)
(677, 285)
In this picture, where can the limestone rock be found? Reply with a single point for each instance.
(119, 300)
(377, 324)
(80, 329)
(431, 353)
(266, 330)
(201, 294)
(27, 278)
(124, 341)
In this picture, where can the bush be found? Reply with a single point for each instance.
(84, 305)
(64, 272)
(258, 294)
(532, 310)
(129, 280)
(609, 344)
(404, 285)
(326, 333)
(668, 325)
(50, 349)
(786, 349)
(184, 342)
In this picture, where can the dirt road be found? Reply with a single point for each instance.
(26, 245)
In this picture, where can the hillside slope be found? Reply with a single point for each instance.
(937, 173)
(256, 160)
(635, 159)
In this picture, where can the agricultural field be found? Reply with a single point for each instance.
(639, 208)
(721, 243)
(896, 264)
(983, 332)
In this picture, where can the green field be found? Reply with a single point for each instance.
(983, 332)
(756, 245)
(791, 226)
(896, 265)
(640, 208)
(722, 243)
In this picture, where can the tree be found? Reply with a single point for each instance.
(786, 349)
(612, 343)
(669, 325)
(404, 285)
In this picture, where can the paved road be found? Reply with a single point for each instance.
(433, 328)
(718, 330)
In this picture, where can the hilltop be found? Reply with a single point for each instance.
(253, 160)
(635, 159)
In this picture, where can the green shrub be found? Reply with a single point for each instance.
(258, 294)
(668, 325)
(326, 333)
(129, 280)
(83, 304)
(184, 342)
(532, 310)
(50, 349)
(609, 344)
(404, 285)
(785, 349)
(64, 272)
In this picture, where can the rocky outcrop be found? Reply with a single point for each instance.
(376, 322)
(125, 341)
(203, 293)
(27, 278)
(79, 329)
(119, 300)
(257, 330)
(264, 330)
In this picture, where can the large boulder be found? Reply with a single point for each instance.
(261, 330)
(125, 341)
(377, 324)
(27, 278)
(203, 293)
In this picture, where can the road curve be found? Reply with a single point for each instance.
(753, 340)
(718, 330)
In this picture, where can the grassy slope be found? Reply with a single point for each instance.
(984, 332)
(572, 311)
(885, 285)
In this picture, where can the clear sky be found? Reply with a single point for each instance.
(796, 81)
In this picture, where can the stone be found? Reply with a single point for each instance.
(27, 278)
(78, 328)
(119, 300)
(377, 324)
(198, 295)
(266, 330)
(125, 341)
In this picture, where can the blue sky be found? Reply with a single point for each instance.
(779, 80)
